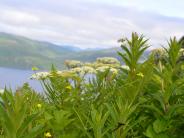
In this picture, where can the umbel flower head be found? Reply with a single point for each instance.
(83, 70)
(88, 69)
(77, 70)
(73, 63)
(107, 60)
(40, 75)
(125, 67)
(105, 68)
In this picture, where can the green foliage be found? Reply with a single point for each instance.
(145, 100)
(133, 52)
(18, 116)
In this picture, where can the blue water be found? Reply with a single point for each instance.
(14, 78)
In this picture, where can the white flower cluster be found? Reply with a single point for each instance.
(105, 68)
(40, 75)
(102, 68)
(84, 70)
(158, 53)
(78, 68)
(125, 67)
(73, 63)
(107, 60)
(114, 71)
(88, 69)
(65, 73)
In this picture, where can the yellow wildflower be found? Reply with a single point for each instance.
(39, 105)
(48, 135)
(34, 68)
(69, 87)
(140, 74)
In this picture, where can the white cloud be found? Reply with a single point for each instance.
(84, 24)
(17, 17)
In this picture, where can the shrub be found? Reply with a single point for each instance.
(136, 100)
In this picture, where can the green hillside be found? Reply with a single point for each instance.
(23, 53)
(93, 54)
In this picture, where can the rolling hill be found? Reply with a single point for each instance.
(23, 53)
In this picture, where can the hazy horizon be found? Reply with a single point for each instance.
(90, 23)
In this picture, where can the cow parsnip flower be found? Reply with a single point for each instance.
(87, 69)
(40, 75)
(105, 68)
(102, 68)
(114, 71)
(108, 60)
(73, 63)
(158, 53)
(76, 70)
(89, 64)
(125, 67)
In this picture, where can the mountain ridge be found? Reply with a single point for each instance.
(22, 53)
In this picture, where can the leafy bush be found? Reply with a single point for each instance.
(137, 100)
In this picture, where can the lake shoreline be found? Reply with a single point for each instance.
(15, 78)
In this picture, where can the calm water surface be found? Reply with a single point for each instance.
(14, 78)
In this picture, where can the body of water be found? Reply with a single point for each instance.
(14, 78)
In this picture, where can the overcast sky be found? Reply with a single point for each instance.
(92, 23)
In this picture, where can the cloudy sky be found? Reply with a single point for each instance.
(92, 23)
